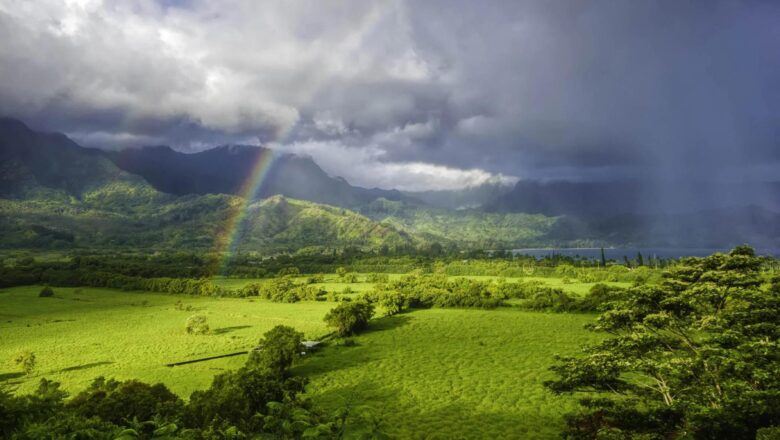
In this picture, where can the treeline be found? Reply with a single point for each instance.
(426, 291)
(260, 400)
(27, 270)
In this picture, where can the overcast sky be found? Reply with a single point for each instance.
(413, 95)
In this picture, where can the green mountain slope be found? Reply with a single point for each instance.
(470, 228)
(56, 194)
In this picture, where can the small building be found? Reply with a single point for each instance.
(309, 346)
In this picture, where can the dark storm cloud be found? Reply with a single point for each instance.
(413, 94)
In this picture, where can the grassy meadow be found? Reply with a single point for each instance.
(452, 373)
(80, 334)
(436, 373)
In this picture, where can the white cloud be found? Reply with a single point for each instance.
(365, 167)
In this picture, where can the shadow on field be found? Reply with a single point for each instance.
(388, 323)
(223, 330)
(335, 357)
(85, 366)
(8, 376)
(376, 406)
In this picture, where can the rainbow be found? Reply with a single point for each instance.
(227, 238)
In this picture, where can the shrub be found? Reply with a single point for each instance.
(350, 317)
(316, 278)
(46, 292)
(197, 325)
(26, 360)
(378, 278)
(550, 299)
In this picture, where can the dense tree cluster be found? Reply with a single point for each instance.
(437, 290)
(283, 289)
(434, 290)
(694, 357)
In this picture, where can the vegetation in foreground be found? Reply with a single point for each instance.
(691, 356)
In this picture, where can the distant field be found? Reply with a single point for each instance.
(450, 373)
(79, 336)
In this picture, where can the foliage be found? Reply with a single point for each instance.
(696, 356)
(251, 402)
(350, 317)
(114, 401)
(282, 289)
(197, 325)
(27, 361)
(46, 292)
(277, 351)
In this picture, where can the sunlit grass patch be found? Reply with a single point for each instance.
(445, 373)
(83, 333)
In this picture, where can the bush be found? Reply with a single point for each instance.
(26, 360)
(551, 299)
(349, 318)
(378, 278)
(197, 325)
(46, 292)
(116, 401)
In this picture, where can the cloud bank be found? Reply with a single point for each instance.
(413, 95)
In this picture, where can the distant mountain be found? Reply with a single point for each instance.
(224, 170)
(468, 227)
(474, 197)
(33, 161)
(56, 194)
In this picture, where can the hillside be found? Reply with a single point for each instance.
(470, 228)
(56, 194)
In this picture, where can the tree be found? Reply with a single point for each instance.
(350, 317)
(696, 357)
(277, 350)
(197, 325)
(46, 292)
(26, 360)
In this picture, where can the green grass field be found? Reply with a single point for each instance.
(81, 334)
(450, 373)
(438, 373)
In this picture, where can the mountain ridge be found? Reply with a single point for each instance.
(225, 169)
